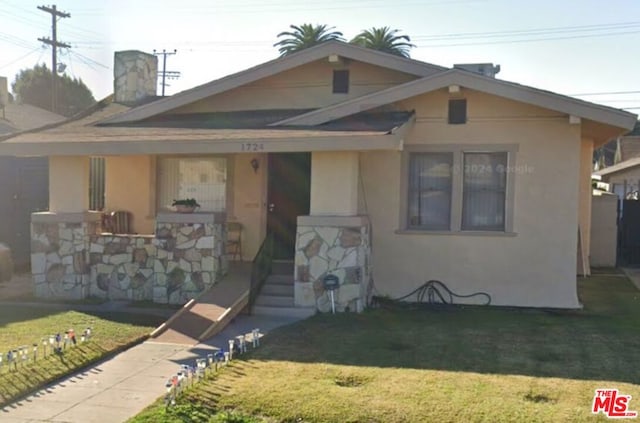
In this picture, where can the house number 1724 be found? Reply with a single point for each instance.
(252, 146)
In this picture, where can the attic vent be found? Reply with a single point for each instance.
(340, 81)
(457, 111)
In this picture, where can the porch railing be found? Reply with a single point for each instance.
(260, 269)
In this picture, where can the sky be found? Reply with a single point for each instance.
(585, 48)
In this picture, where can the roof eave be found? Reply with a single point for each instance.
(391, 141)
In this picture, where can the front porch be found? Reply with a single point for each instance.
(174, 257)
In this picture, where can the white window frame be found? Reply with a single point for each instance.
(457, 183)
(228, 183)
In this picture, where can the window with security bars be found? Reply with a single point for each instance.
(202, 178)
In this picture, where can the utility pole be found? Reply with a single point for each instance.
(165, 73)
(54, 43)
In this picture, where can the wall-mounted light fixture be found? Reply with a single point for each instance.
(255, 164)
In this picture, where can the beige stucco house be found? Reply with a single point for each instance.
(383, 171)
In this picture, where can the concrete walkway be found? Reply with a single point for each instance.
(119, 388)
(633, 274)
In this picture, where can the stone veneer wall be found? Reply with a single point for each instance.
(122, 266)
(73, 260)
(332, 245)
(59, 254)
(190, 258)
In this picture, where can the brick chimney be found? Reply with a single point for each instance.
(135, 76)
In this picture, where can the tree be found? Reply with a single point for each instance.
(384, 39)
(33, 86)
(305, 36)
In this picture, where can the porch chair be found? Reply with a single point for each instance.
(234, 240)
(117, 222)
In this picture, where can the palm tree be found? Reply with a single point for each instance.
(384, 39)
(304, 36)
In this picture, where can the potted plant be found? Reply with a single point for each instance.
(187, 205)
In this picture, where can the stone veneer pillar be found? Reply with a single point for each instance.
(59, 253)
(337, 245)
(190, 255)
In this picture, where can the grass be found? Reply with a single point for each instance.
(28, 325)
(442, 365)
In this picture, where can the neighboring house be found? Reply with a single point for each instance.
(384, 171)
(23, 181)
(623, 178)
(618, 150)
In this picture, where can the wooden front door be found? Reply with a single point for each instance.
(288, 197)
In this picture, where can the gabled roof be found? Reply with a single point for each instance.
(22, 117)
(510, 90)
(274, 67)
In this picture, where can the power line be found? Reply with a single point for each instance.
(526, 32)
(16, 41)
(540, 34)
(88, 60)
(605, 93)
(531, 40)
(263, 7)
(19, 58)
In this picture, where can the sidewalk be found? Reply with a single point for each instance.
(119, 388)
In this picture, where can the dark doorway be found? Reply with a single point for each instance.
(24, 189)
(629, 232)
(288, 197)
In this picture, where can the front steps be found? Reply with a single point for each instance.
(276, 296)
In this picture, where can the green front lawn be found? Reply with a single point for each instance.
(440, 365)
(28, 325)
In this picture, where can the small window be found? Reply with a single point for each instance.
(457, 111)
(340, 81)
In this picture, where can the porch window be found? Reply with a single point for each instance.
(202, 178)
(430, 190)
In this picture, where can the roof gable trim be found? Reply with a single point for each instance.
(509, 90)
(274, 67)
